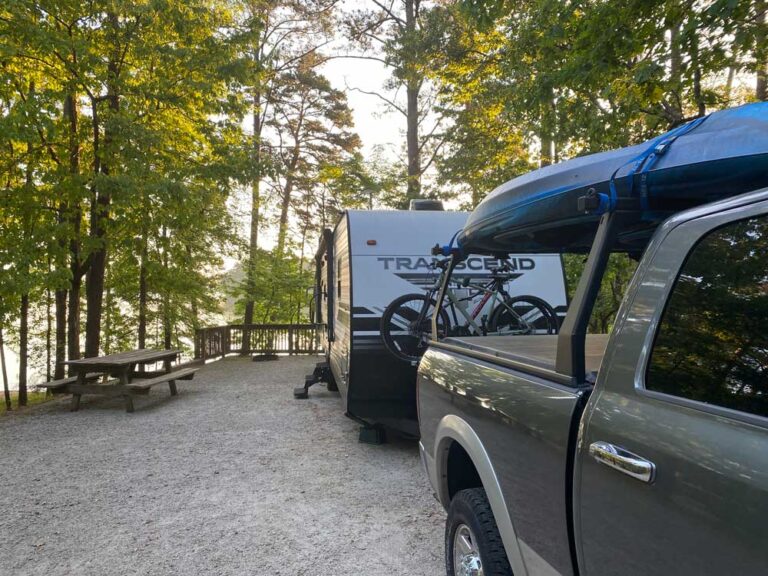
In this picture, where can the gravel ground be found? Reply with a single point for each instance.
(233, 476)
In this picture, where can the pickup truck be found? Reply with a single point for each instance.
(656, 460)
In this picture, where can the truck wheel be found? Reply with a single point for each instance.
(473, 544)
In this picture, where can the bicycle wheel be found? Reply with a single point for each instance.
(403, 334)
(524, 315)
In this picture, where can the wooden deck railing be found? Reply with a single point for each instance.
(291, 339)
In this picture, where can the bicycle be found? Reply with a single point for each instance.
(406, 324)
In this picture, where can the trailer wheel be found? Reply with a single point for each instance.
(473, 544)
(407, 324)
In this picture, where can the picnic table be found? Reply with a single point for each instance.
(121, 368)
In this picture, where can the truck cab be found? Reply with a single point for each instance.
(640, 452)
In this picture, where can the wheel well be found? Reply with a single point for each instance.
(460, 470)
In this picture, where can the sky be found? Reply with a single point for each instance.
(374, 121)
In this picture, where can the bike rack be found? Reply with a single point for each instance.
(441, 294)
(571, 339)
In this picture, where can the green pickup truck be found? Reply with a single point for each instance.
(640, 452)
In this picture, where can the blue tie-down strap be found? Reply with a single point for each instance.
(642, 164)
(658, 151)
(448, 249)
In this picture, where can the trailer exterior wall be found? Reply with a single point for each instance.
(340, 350)
(377, 257)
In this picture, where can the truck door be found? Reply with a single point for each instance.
(672, 459)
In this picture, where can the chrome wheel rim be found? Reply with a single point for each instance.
(466, 554)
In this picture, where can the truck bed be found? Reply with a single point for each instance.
(539, 351)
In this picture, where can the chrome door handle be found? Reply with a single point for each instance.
(623, 461)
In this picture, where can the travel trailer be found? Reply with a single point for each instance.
(370, 258)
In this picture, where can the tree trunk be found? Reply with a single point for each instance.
(100, 205)
(547, 142)
(143, 295)
(253, 246)
(193, 301)
(195, 314)
(674, 110)
(729, 83)
(282, 232)
(60, 312)
(60, 301)
(412, 139)
(70, 323)
(6, 389)
(167, 326)
(546, 130)
(48, 334)
(761, 51)
(304, 230)
(23, 348)
(73, 312)
(412, 88)
(107, 340)
(24, 308)
(701, 106)
(675, 58)
(94, 282)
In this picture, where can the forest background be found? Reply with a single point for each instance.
(146, 146)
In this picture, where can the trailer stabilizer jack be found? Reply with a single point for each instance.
(321, 373)
(372, 435)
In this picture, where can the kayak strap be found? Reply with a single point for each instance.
(657, 152)
(641, 164)
(449, 248)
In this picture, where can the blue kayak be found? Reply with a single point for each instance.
(557, 208)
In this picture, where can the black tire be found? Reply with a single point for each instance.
(470, 508)
(540, 317)
(401, 336)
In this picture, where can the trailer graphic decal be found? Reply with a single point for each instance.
(427, 279)
(473, 263)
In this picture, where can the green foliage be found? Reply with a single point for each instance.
(535, 82)
(130, 129)
(618, 273)
(119, 100)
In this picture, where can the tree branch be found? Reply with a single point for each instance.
(391, 103)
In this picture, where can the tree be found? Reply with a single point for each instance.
(146, 159)
(395, 33)
(273, 36)
(313, 124)
(552, 77)
(761, 50)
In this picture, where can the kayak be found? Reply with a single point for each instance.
(557, 208)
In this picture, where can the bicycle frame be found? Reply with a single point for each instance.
(493, 292)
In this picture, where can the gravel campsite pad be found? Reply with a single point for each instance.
(232, 476)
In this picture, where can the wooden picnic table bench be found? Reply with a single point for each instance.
(122, 367)
(56, 386)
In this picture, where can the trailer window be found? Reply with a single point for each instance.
(712, 343)
(338, 282)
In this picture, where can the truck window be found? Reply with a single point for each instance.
(712, 343)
